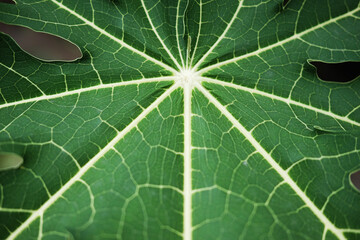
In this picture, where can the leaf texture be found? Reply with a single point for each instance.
(185, 119)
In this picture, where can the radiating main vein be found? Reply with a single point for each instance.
(158, 36)
(187, 231)
(102, 31)
(87, 89)
(199, 32)
(90, 163)
(282, 42)
(288, 101)
(177, 33)
(317, 212)
(221, 37)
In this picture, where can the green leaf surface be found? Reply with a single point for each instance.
(183, 120)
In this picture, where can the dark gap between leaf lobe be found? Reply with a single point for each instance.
(355, 180)
(337, 72)
(9, 161)
(8, 1)
(43, 46)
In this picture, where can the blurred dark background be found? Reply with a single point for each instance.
(48, 47)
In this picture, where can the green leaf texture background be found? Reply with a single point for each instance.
(184, 119)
